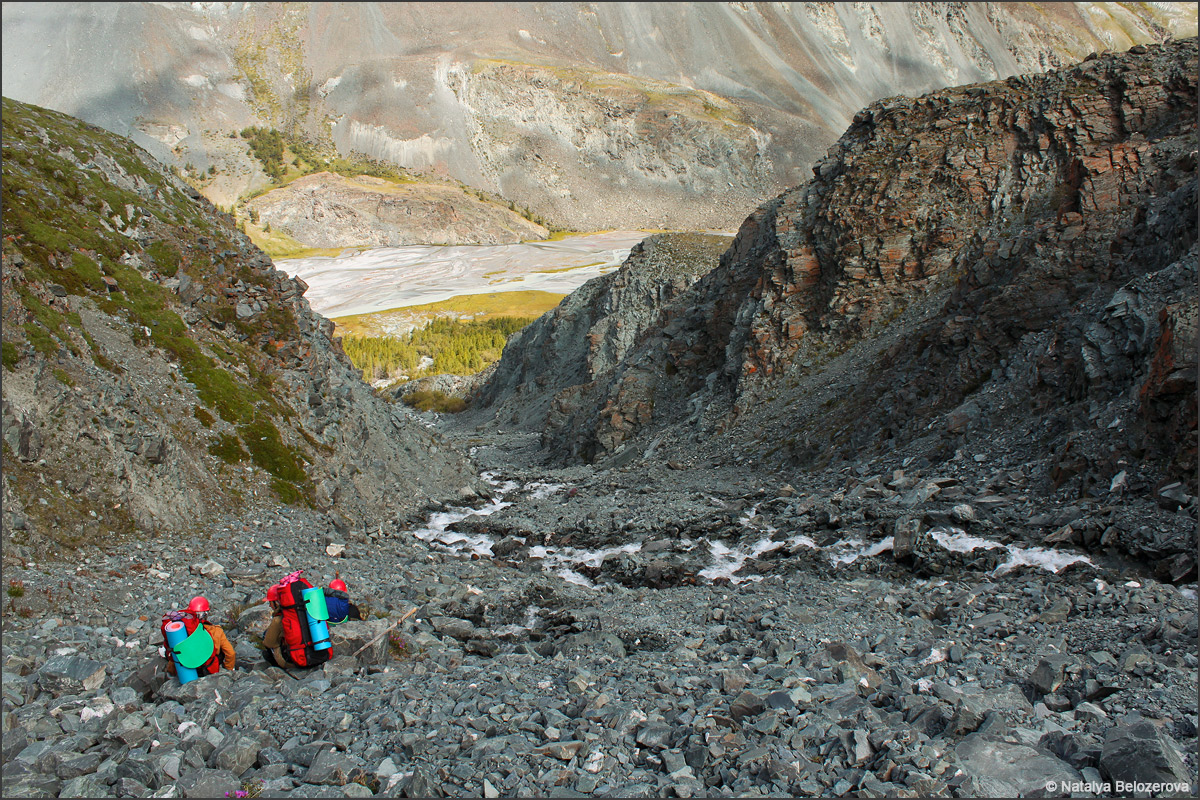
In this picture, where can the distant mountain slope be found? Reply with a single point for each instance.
(328, 210)
(159, 371)
(671, 115)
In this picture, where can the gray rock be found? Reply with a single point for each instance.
(125, 698)
(906, 537)
(73, 765)
(138, 769)
(1050, 673)
(30, 785)
(311, 790)
(255, 619)
(306, 754)
(561, 750)
(421, 783)
(592, 642)
(459, 629)
(202, 782)
(780, 700)
(71, 674)
(747, 704)
(350, 637)
(84, 786)
(999, 768)
(655, 737)
(331, 768)
(1140, 752)
(236, 754)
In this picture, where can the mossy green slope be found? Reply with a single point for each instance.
(157, 367)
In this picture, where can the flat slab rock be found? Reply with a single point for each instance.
(71, 674)
(999, 768)
(208, 783)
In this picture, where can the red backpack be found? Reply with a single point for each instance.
(190, 621)
(297, 638)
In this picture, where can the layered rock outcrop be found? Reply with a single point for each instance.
(159, 371)
(1010, 262)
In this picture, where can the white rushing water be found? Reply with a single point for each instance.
(726, 561)
(395, 277)
(957, 541)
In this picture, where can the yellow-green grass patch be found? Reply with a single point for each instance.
(528, 303)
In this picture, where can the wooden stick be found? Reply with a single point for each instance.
(384, 632)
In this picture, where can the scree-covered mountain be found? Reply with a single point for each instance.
(690, 113)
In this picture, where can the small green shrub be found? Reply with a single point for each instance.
(229, 449)
(433, 400)
(16, 588)
(206, 419)
(41, 340)
(166, 258)
(268, 451)
(11, 356)
(63, 377)
(290, 493)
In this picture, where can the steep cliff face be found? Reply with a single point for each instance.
(568, 350)
(1008, 265)
(691, 113)
(159, 371)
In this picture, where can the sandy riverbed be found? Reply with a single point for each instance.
(394, 277)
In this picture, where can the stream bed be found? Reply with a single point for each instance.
(724, 562)
(362, 282)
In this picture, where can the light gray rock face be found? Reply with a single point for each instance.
(350, 637)
(692, 113)
(71, 674)
(831, 332)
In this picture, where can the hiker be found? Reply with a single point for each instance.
(337, 600)
(298, 635)
(205, 650)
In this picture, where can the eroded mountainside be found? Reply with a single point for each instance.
(1007, 268)
(159, 371)
(328, 210)
(692, 112)
(589, 333)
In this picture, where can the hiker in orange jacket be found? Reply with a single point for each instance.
(222, 649)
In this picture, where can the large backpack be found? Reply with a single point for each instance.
(298, 645)
(187, 651)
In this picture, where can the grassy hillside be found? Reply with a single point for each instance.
(157, 369)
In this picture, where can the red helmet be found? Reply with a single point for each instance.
(198, 605)
(273, 593)
(337, 584)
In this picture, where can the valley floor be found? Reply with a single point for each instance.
(812, 667)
